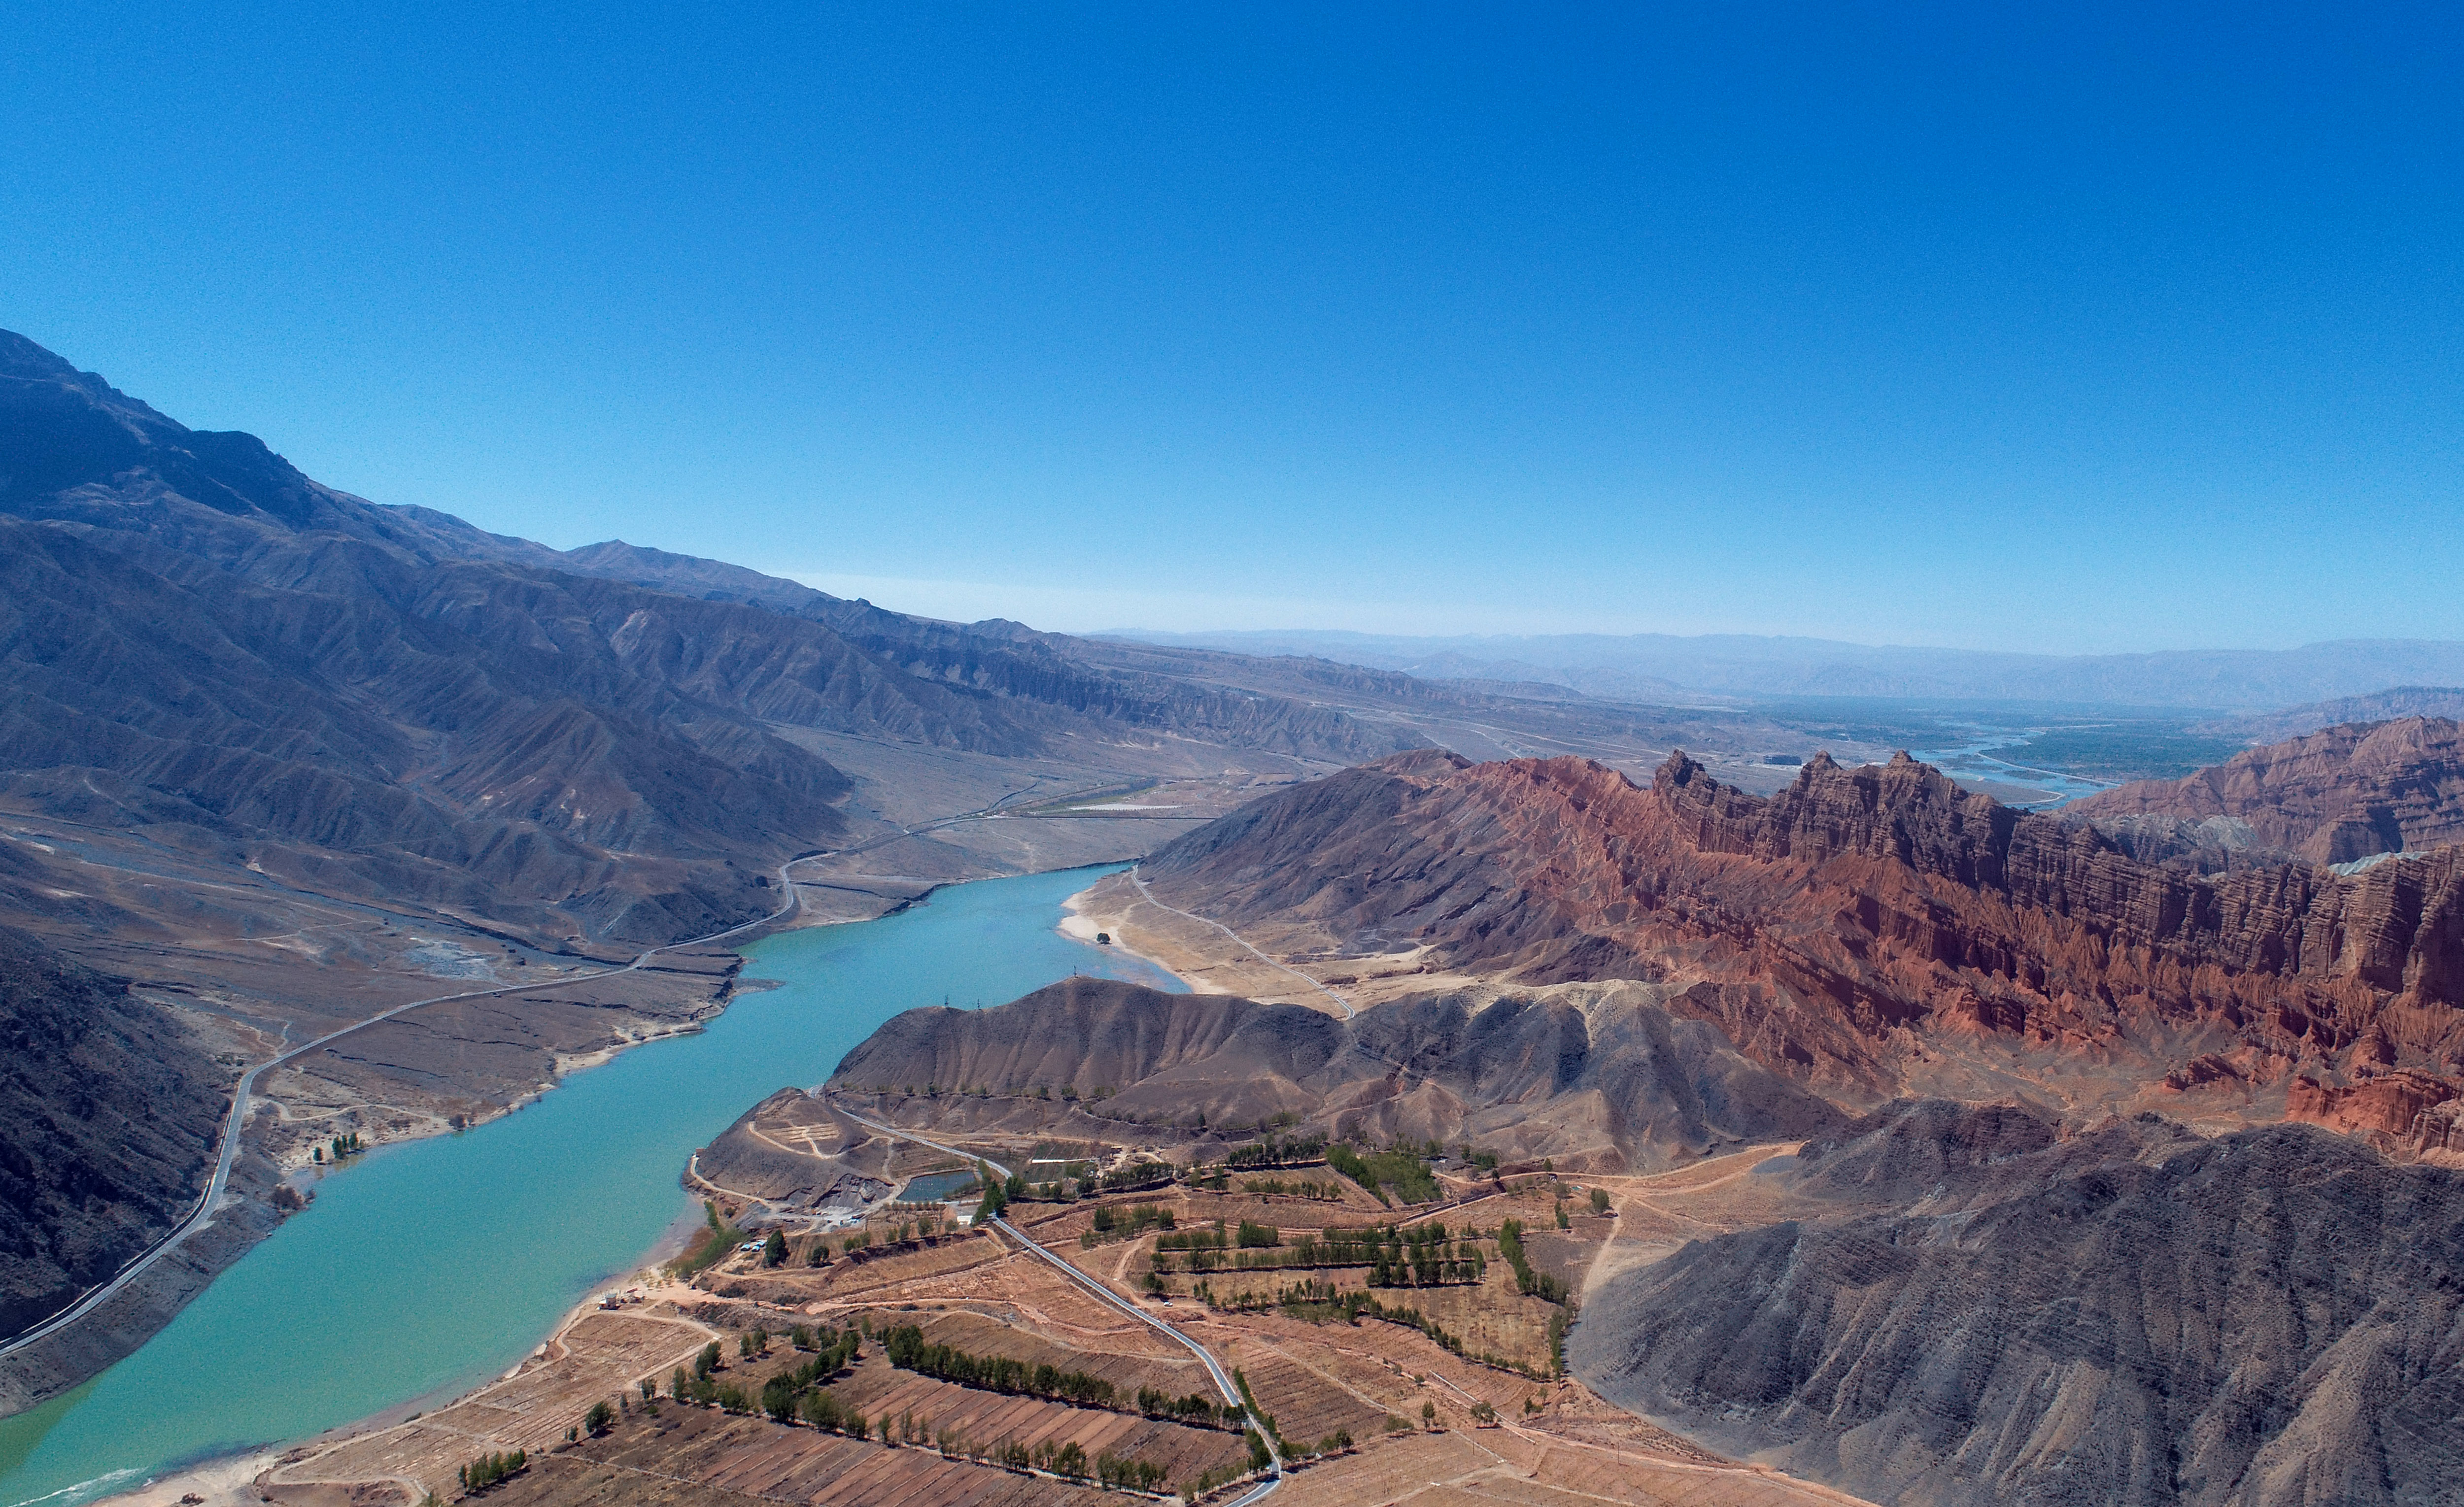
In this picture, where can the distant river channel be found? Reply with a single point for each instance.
(429, 1267)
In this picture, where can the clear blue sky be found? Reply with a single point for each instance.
(2025, 327)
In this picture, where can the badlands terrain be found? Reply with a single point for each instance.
(1588, 1139)
(281, 766)
(1583, 1098)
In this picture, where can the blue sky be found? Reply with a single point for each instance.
(2111, 328)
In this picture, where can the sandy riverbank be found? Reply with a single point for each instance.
(1088, 917)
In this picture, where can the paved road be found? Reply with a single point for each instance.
(1103, 1294)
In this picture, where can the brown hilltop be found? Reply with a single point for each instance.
(1874, 930)
(2332, 796)
(1592, 1077)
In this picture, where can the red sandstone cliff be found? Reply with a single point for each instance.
(1860, 925)
(2337, 794)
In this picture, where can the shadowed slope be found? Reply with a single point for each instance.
(2132, 1315)
(1605, 1074)
(107, 1121)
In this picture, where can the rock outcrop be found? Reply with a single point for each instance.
(1861, 928)
(2348, 793)
(1969, 1308)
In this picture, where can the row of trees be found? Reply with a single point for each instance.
(1196, 1409)
(907, 1350)
(1300, 1150)
(1527, 1280)
(783, 1396)
(489, 1468)
(1297, 1188)
(1419, 1255)
(1130, 1223)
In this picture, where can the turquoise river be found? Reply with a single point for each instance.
(429, 1267)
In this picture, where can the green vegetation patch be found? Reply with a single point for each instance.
(1400, 1169)
(2123, 753)
(716, 1239)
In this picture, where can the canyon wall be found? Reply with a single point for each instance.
(1864, 926)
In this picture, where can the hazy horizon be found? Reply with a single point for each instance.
(2107, 332)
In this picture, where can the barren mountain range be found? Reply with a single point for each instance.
(2082, 1248)
(1873, 931)
(1588, 1075)
(2393, 703)
(278, 759)
(1721, 667)
(275, 760)
(2352, 792)
(1973, 1305)
(108, 1115)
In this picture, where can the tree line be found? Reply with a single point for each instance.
(489, 1468)
(907, 1350)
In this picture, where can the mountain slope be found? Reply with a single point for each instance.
(2349, 792)
(107, 1124)
(1870, 929)
(2378, 705)
(579, 747)
(1597, 1079)
(1969, 1308)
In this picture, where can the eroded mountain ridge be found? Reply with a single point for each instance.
(1876, 930)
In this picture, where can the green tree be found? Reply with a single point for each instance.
(600, 1418)
(774, 1250)
(1600, 1200)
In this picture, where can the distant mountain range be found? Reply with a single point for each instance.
(1665, 668)
(2381, 705)
(578, 746)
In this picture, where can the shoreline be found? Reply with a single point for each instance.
(149, 1281)
(228, 1480)
(1078, 925)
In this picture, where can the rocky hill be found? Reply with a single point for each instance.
(1874, 931)
(108, 1117)
(1969, 1306)
(2378, 705)
(2348, 793)
(1594, 1077)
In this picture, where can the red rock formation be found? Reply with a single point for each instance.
(2395, 1104)
(1836, 927)
(2335, 796)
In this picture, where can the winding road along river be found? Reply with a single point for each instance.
(428, 1267)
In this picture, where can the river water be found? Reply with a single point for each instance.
(425, 1268)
